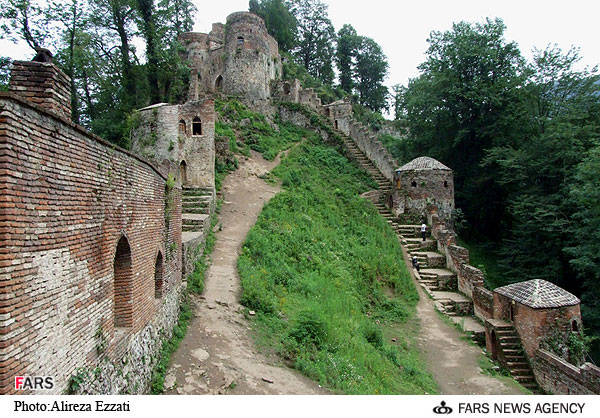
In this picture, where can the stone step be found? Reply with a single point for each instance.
(526, 377)
(196, 198)
(200, 204)
(428, 288)
(195, 211)
(517, 365)
(508, 338)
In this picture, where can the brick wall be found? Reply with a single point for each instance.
(533, 325)
(483, 303)
(42, 83)
(559, 377)
(67, 198)
(418, 191)
(373, 148)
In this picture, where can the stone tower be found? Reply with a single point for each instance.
(239, 59)
(424, 186)
(251, 57)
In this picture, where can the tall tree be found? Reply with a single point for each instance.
(316, 39)
(468, 99)
(537, 172)
(398, 93)
(151, 36)
(5, 64)
(347, 48)
(281, 23)
(26, 20)
(371, 69)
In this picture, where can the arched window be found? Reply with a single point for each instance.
(183, 172)
(182, 127)
(445, 184)
(219, 83)
(286, 88)
(158, 276)
(123, 285)
(197, 126)
(240, 41)
(574, 326)
(413, 183)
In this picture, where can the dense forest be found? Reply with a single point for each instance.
(523, 138)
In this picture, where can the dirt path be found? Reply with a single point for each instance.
(452, 361)
(217, 355)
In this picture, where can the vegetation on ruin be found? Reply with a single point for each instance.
(246, 128)
(323, 272)
(169, 346)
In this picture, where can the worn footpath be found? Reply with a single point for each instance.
(217, 355)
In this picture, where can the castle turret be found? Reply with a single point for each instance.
(251, 57)
(423, 186)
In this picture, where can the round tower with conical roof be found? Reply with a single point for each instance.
(423, 186)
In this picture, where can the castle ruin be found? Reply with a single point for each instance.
(97, 240)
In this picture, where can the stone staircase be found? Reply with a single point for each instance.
(514, 357)
(196, 206)
(439, 281)
(383, 184)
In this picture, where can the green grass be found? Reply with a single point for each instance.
(169, 346)
(238, 123)
(324, 273)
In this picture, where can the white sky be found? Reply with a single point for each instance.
(402, 28)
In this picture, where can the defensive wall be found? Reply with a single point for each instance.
(90, 266)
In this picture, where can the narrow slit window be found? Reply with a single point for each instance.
(158, 276)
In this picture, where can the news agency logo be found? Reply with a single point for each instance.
(34, 382)
(442, 409)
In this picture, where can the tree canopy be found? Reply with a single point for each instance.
(523, 141)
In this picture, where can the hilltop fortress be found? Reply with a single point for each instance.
(97, 240)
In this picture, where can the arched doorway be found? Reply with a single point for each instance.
(183, 172)
(123, 285)
(219, 83)
(158, 276)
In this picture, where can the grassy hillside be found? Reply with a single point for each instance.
(324, 273)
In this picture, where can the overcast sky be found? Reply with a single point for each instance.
(402, 28)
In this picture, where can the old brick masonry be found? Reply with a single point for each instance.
(90, 262)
